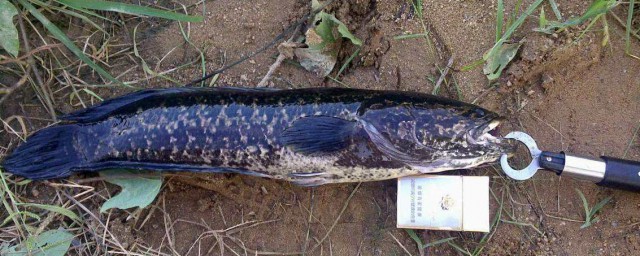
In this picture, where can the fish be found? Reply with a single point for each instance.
(309, 136)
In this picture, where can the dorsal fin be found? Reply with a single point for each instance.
(116, 105)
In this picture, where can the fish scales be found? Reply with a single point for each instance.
(307, 136)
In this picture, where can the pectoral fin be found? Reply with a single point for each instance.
(319, 135)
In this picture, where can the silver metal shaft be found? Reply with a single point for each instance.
(584, 168)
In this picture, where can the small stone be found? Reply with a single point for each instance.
(35, 192)
(547, 80)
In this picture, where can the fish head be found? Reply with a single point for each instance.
(438, 138)
(459, 137)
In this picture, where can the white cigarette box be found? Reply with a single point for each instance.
(443, 202)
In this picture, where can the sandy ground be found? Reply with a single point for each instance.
(570, 95)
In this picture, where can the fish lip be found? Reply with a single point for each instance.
(482, 135)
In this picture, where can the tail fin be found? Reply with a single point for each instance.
(47, 154)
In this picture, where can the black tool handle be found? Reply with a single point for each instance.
(552, 161)
(621, 174)
(607, 171)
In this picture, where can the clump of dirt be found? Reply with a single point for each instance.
(543, 57)
(361, 17)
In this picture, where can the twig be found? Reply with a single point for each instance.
(35, 70)
(8, 91)
(615, 17)
(400, 244)
(633, 138)
(444, 74)
(485, 93)
(306, 240)
(272, 69)
(286, 52)
(26, 55)
(85, 209)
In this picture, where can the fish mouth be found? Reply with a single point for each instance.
(487, 134)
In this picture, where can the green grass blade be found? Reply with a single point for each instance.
(599, 205)
(627, 34)
(90, 92)
(417, 6)
(507, 34)
(130, 9)
(585, 204)
(543, 19)
(472, 66)
(556, 11)
(499, 19)
(410, 36)
(595, 10)
(70, 13)
(203, 62)
(145, 66)
(414, 236)
(514, 14)
(54, 208)
(62, 37)
(458, 248)
(346, 63)
(524, 225)
(441, 241)
(14, 214)
(633, 138)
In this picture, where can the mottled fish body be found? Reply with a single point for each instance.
(307, 136)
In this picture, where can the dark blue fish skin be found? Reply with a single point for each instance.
(343, 135)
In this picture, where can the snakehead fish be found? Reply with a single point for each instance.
(307, 136)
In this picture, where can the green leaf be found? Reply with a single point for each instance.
(49, 243)
(323, 41)
(327, 25)
(137, 191)
(344, 31)
(500, 59)
(57, 33)
(8, 31)
(130, 9)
